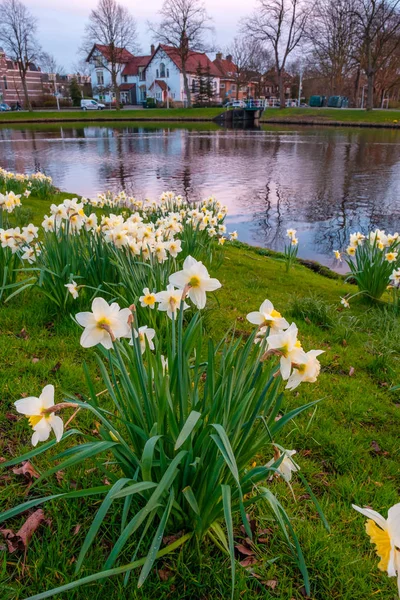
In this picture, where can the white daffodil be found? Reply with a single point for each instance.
(307, 368)
(288, 347)
(170, 301)
(385, 534)
(195, 275)
(391, 256)
(287, 466)
(148, 299)
(338, 256)
(144, 333)
(104, 320)
(291, 233)
(73, 289)
(395, 277)
(344, 302)
(174, 247)
(41, 422)
(233, 236)
(351, 251)
(267, 316)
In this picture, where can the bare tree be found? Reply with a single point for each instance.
(332, 33)
(48, 64)
(378, 25)
(247, 59)
(17, 35)
(183, 26)
(280, 25)
(111, 25)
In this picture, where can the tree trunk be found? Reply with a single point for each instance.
(370, 92)
(282, 100)
(237, 90)
(186, 86)
(28, 104)
(116, 90)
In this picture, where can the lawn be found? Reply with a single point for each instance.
(347, 447)
(324, 115)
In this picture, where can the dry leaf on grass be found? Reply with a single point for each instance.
(351, 372)
(27, 470)
(20, 540)
(248, 561)
(244, 550)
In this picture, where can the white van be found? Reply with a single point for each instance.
(91, 105)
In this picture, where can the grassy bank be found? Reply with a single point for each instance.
(323, 116)
(347, 449)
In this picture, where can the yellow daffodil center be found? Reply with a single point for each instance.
(102, 322)
(381, 539)
(194, 281)
(34, 420)
(149, 300)
(298, 344)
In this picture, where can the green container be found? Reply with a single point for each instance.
(317, 101)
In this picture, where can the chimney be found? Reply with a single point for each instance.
(219, 56)
(152, 49)
(229, 57)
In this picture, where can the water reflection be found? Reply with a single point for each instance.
(323, 182)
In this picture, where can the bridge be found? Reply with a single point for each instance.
(248, 114)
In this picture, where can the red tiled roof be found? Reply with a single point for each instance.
(193, 60)
(226, 68)
(161, 84)
(124, 54)
(132, 67)
(125, 87)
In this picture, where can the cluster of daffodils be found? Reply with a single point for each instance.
(69, 215)
(9, 202)
(280, 338)
(19, 181)
(20, 240)
(385, 242)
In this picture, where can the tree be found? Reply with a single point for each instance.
(332, 33)
(48, 64)
(111, 25)
(246, 54)
(378, 26)
(209, 85)
(279, 25)
(75, 92)
(17, 36)
(199, 86)
(183, 26)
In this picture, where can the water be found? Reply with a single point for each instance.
(323, 182)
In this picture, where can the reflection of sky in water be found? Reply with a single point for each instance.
(323, 182)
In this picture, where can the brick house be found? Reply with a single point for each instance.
(230, 88)
(11, 90)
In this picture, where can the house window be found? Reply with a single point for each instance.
(162, 70)
(141, 74)
(167, 72)
(157, 73)
(100, 77)
(233, 87)
(194, 86)
(222, 86)
(5, 82)
(98, 61)
(125, 78)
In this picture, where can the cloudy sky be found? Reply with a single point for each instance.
(61, 23)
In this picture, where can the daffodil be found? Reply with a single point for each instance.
(196, 278)
(288, 347)
(385, 534)
(391, 256)
(344, 302)
(41, 421)
(170, 301)
(291, 233)
(73, 289)
(148, 299)
(351, 251)
(144, 334)
(267, 316)
(287, 466)
(104, 323)
(395, 277)
(338, 256)
(306, 368)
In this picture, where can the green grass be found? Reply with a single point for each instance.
(160, 114)
(337, 115)
(347, 449)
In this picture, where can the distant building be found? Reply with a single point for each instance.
(164, 77)
(54, 83)
(230, 88)
(130, 76)
(11, 90)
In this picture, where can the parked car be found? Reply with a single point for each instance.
(90, 104)
(235, 104)
(4, 106)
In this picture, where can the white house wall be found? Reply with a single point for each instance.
(173, 80)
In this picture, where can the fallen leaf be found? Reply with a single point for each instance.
(164, 574)
(20, 540)
(305, 497)
(244, 550)
(262, 540)
(351, 372)
(11, 417)
(106, 481)
(375, 447)
(27, 470)
(35, 360)
(23, 334)
(56, 368)
(248, 561)
(76, 529)
(169, 539)
(272, 583)
(59, 476)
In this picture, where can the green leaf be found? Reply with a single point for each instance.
(147, 457)
(226, 502)
(136, 488)
(187, 428)
(38, 450)
(190, 497)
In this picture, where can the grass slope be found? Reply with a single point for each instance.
(347, 449)
(334, 115)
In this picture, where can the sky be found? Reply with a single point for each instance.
(61, 23)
